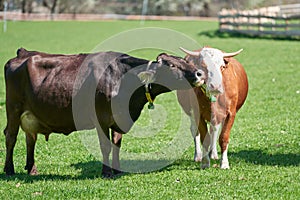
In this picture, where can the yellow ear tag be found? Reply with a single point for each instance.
(150, 105)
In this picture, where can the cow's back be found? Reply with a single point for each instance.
(235, 81)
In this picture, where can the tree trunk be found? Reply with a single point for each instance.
(23, 6)
(1, 5)
(29, 6)
(53, 6)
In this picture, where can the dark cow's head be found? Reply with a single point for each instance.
(173, 72)
(212, 62)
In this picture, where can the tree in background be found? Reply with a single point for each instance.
(207, 8)
(27, 6)
(50, 4)
(1, 5)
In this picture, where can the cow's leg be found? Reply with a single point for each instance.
(224, 140)
(214, 134)
(117, 139)
(205, 153)
(11, 132)
(30, 145)
(196, 136)
(205, 139)
(105, 146)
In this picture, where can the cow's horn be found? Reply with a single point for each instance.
(227, 55)
(191, 53)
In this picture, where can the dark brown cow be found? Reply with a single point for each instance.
(48, 93)
(217, 103)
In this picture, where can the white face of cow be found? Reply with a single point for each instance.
(212, 60)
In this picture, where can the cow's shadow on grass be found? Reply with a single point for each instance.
(259, 157)
(92, 169)
(88, 170)
(218, 34)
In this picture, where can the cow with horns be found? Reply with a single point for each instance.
(43, 89)
(217, 101)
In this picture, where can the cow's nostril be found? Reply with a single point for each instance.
(198, 73)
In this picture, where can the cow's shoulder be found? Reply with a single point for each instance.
(23, 53)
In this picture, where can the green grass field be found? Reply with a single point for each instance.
(264, 151)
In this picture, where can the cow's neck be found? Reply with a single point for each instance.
(134, 91)
(139, 98)
(153, 90)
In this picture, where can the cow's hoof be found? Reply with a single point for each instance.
(214, 155)
(107, 175)
(197, 158)
(106, 172)
(9, 171)
(205, 166)
(205, 163)
(33, 171)
(117, 172)
(224, 166)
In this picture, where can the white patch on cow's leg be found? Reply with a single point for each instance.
(214, 134)
(196, 135)
(224, 159)
(198, 153)
(205, 148)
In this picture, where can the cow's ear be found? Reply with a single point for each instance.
(227, 60)
(147, 77)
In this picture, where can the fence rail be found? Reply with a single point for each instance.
(18, 16)
(274, 21)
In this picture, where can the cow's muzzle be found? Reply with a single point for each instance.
(200, 78)
(215, 89)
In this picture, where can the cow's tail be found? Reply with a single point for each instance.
(6, 67)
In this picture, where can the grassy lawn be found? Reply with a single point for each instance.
(264, 151)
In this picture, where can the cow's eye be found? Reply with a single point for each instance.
(171, 65)
(223, 67)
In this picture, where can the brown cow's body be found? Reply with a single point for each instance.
(48, 93)
(219, 113)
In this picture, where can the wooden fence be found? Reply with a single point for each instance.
(18, 16)
(274, 21)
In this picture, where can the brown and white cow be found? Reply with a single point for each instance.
(224, 92)
(48, 93)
